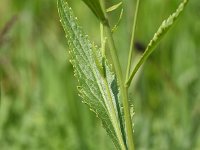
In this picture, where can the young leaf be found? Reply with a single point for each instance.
(165, 26)
(97, 83)
(118, 22)
(114, 7)
(95, 6)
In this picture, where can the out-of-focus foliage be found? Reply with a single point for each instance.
(40, 108)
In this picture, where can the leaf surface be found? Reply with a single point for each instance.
(97, 83)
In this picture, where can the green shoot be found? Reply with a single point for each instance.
(102, 88)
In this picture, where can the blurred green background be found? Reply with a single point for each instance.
(40, 108)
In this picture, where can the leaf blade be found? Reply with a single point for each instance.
(94, 86)
(162, 30)
(114, 7)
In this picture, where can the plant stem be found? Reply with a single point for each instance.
(102, 40)
(124, 93)
(124, 90)
(132, 42)
(114, 115)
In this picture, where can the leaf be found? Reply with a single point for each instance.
(118, 22)
(165, 26)
(114, 7)
(95, 6)
(97, 83)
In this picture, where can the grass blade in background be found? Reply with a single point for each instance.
(97, 84)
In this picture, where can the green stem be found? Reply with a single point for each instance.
(113, 114)
(124, 90)
(102, 40)
(132, 41)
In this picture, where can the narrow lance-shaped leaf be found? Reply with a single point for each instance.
(118, 22)
(97, 83)
(114, 7)
(165, 26)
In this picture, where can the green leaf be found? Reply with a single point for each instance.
(118, 22)
(97, 83)
(95, 6)
(165, 26)
(114, 7)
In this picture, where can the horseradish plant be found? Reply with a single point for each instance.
(103, 88)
